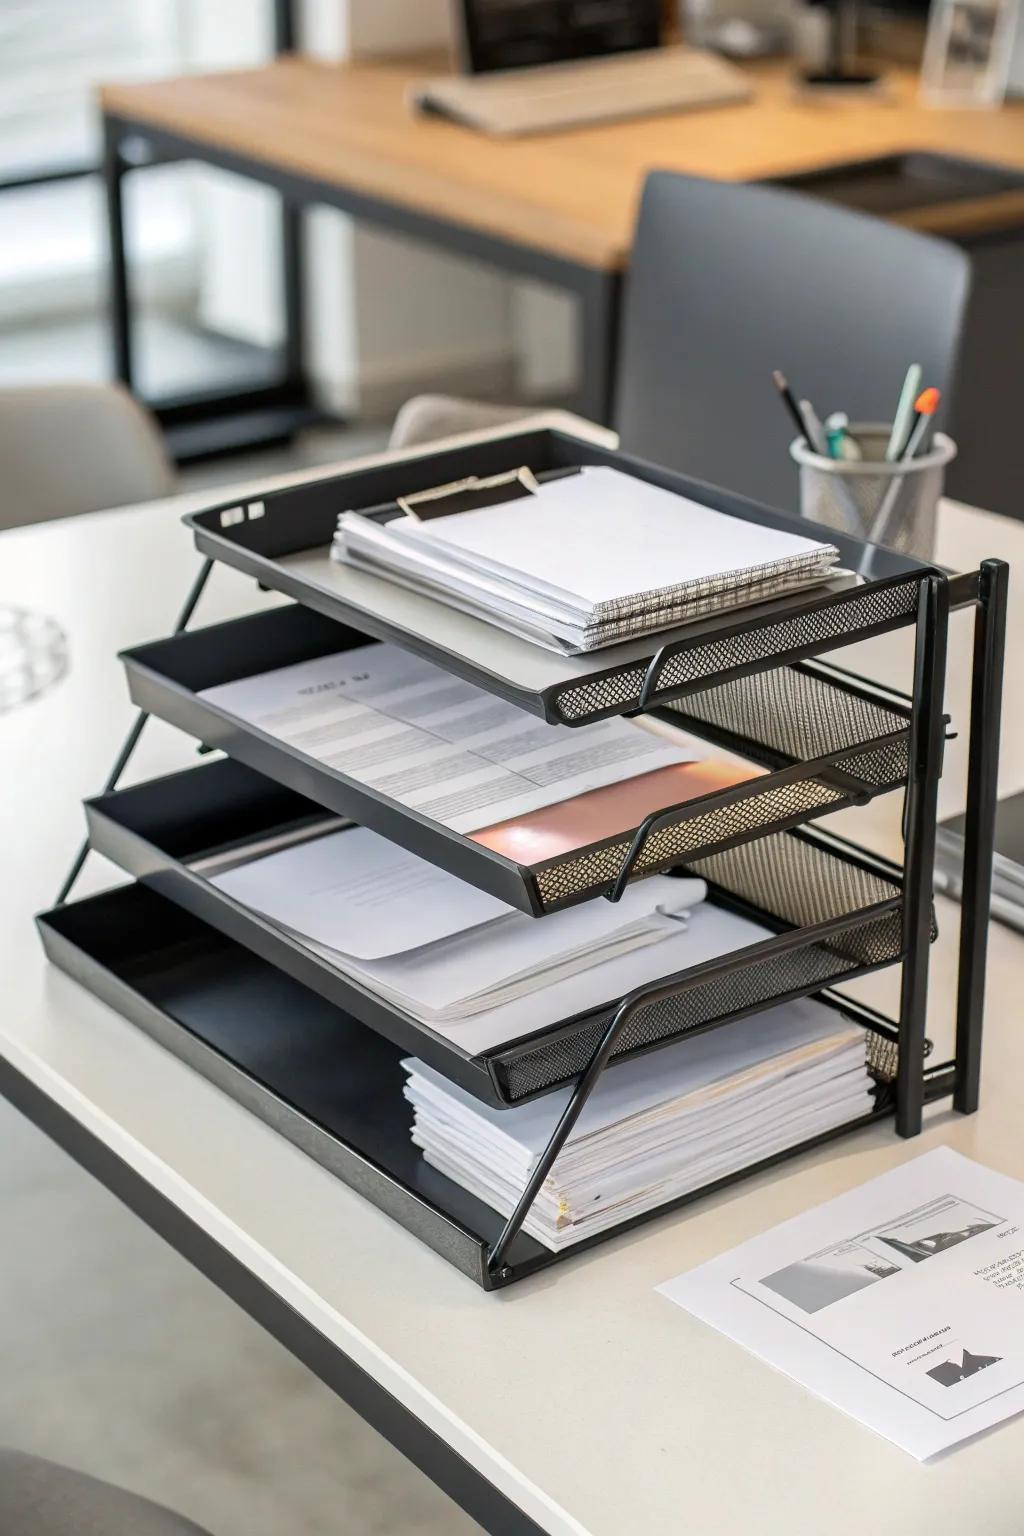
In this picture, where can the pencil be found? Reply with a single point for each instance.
(789, 402)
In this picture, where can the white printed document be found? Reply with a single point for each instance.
(433, 944)
(436, 744)
(360, 894)
(901, 1302)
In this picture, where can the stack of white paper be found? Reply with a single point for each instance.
(656, 1127)
(446, 952)
(589, 558)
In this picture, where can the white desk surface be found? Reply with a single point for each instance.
(594, 1404)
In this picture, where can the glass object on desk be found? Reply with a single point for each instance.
(33, 655)
(967, 52)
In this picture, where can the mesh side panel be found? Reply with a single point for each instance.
(798, 880)
(883, 1057)
(667, 845)
(755, 816)
(836, 622)
(755, 984)
(791, 712)
(839, 621)
(622, 689)
(882, 767)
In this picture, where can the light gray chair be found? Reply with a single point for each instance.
(40, 1498)
(425, 418)
(70, 448)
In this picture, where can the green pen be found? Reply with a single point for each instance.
(837, 434)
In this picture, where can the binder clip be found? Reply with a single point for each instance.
(468, 494)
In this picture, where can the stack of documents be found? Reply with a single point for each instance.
(586, 559)
(460, 757)
(444, 951)
(656, 1127)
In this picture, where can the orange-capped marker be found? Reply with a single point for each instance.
(925, 406)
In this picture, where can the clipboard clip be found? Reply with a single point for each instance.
(469, 494)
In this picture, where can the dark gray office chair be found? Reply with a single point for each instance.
(729, 282)
(40, 1498)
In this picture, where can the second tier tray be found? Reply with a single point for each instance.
(828, 741)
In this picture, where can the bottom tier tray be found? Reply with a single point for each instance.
(325, 1082)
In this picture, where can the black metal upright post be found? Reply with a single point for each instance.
(292, 280)
(285, 30)
(979, 826)
(114, 170)
(926, 747)
(286, 40)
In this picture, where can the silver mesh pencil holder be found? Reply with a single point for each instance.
(891, 504)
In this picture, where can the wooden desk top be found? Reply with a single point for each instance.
(572, 194)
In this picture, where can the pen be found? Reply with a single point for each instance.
(902, 420)
(782, 385)
(925, 406)
(840, 443)
(842, 489)
(815, 432)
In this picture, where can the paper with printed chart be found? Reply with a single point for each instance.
(901, 1302)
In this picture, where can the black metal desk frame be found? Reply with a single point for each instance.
(130, 145)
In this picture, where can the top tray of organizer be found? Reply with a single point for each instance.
(283, 539)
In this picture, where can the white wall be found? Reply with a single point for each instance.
(395, 26)
(386, 317)
(410, 318)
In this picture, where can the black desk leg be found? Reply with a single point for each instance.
(114, 169)
(294, 308)
(599, 295)
(979, 826)
(926, 746)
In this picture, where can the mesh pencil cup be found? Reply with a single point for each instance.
(894, 504)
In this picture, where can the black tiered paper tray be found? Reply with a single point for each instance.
(832, 911)
(316, 1076)
(829, 741)
(283, 539)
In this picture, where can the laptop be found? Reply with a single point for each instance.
(534, 66)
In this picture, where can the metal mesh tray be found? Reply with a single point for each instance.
(316, 1077)
(828, 742)
(832, 912)
(283, 537)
